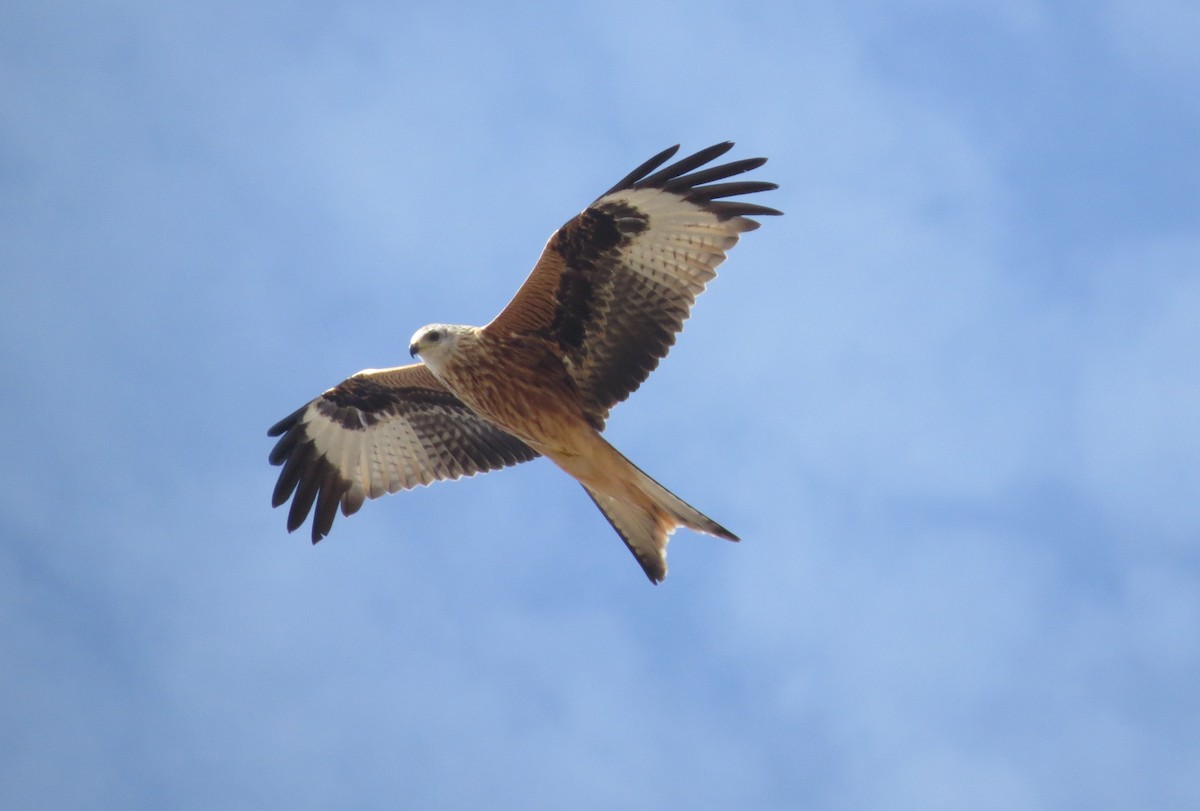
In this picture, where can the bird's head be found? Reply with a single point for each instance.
(436, 342)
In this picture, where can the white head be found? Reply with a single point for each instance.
(435, 343)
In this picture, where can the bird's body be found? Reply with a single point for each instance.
(530, 371)
(599, 310)
(468, 360)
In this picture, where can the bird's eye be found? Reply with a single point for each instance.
(433, 336)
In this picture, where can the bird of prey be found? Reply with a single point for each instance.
(600, 309)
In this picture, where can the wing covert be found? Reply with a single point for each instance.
(379, 432)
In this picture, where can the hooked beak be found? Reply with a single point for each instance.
(412, 350)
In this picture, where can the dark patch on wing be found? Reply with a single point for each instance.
(359, 402)
(459, 442)
(591, 246)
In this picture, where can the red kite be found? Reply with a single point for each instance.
(599, 311)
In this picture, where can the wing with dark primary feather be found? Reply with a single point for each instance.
(615, 284)
(378, 432)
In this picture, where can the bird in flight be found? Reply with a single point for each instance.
(600, 309)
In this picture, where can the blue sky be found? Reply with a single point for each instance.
(948, 401)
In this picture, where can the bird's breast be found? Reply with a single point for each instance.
(521, 386)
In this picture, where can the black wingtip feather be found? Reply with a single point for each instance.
(305, 495)
(644, 169)
(283, 448)
(330, 494)
(733, 189)
(684, 165)
(680, 178)
(287, 422)
(289, 477)
(726, 211)
(721, 172)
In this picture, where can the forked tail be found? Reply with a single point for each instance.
(644, 514)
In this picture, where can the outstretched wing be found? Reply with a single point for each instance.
(615, 284)
(378, 432)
